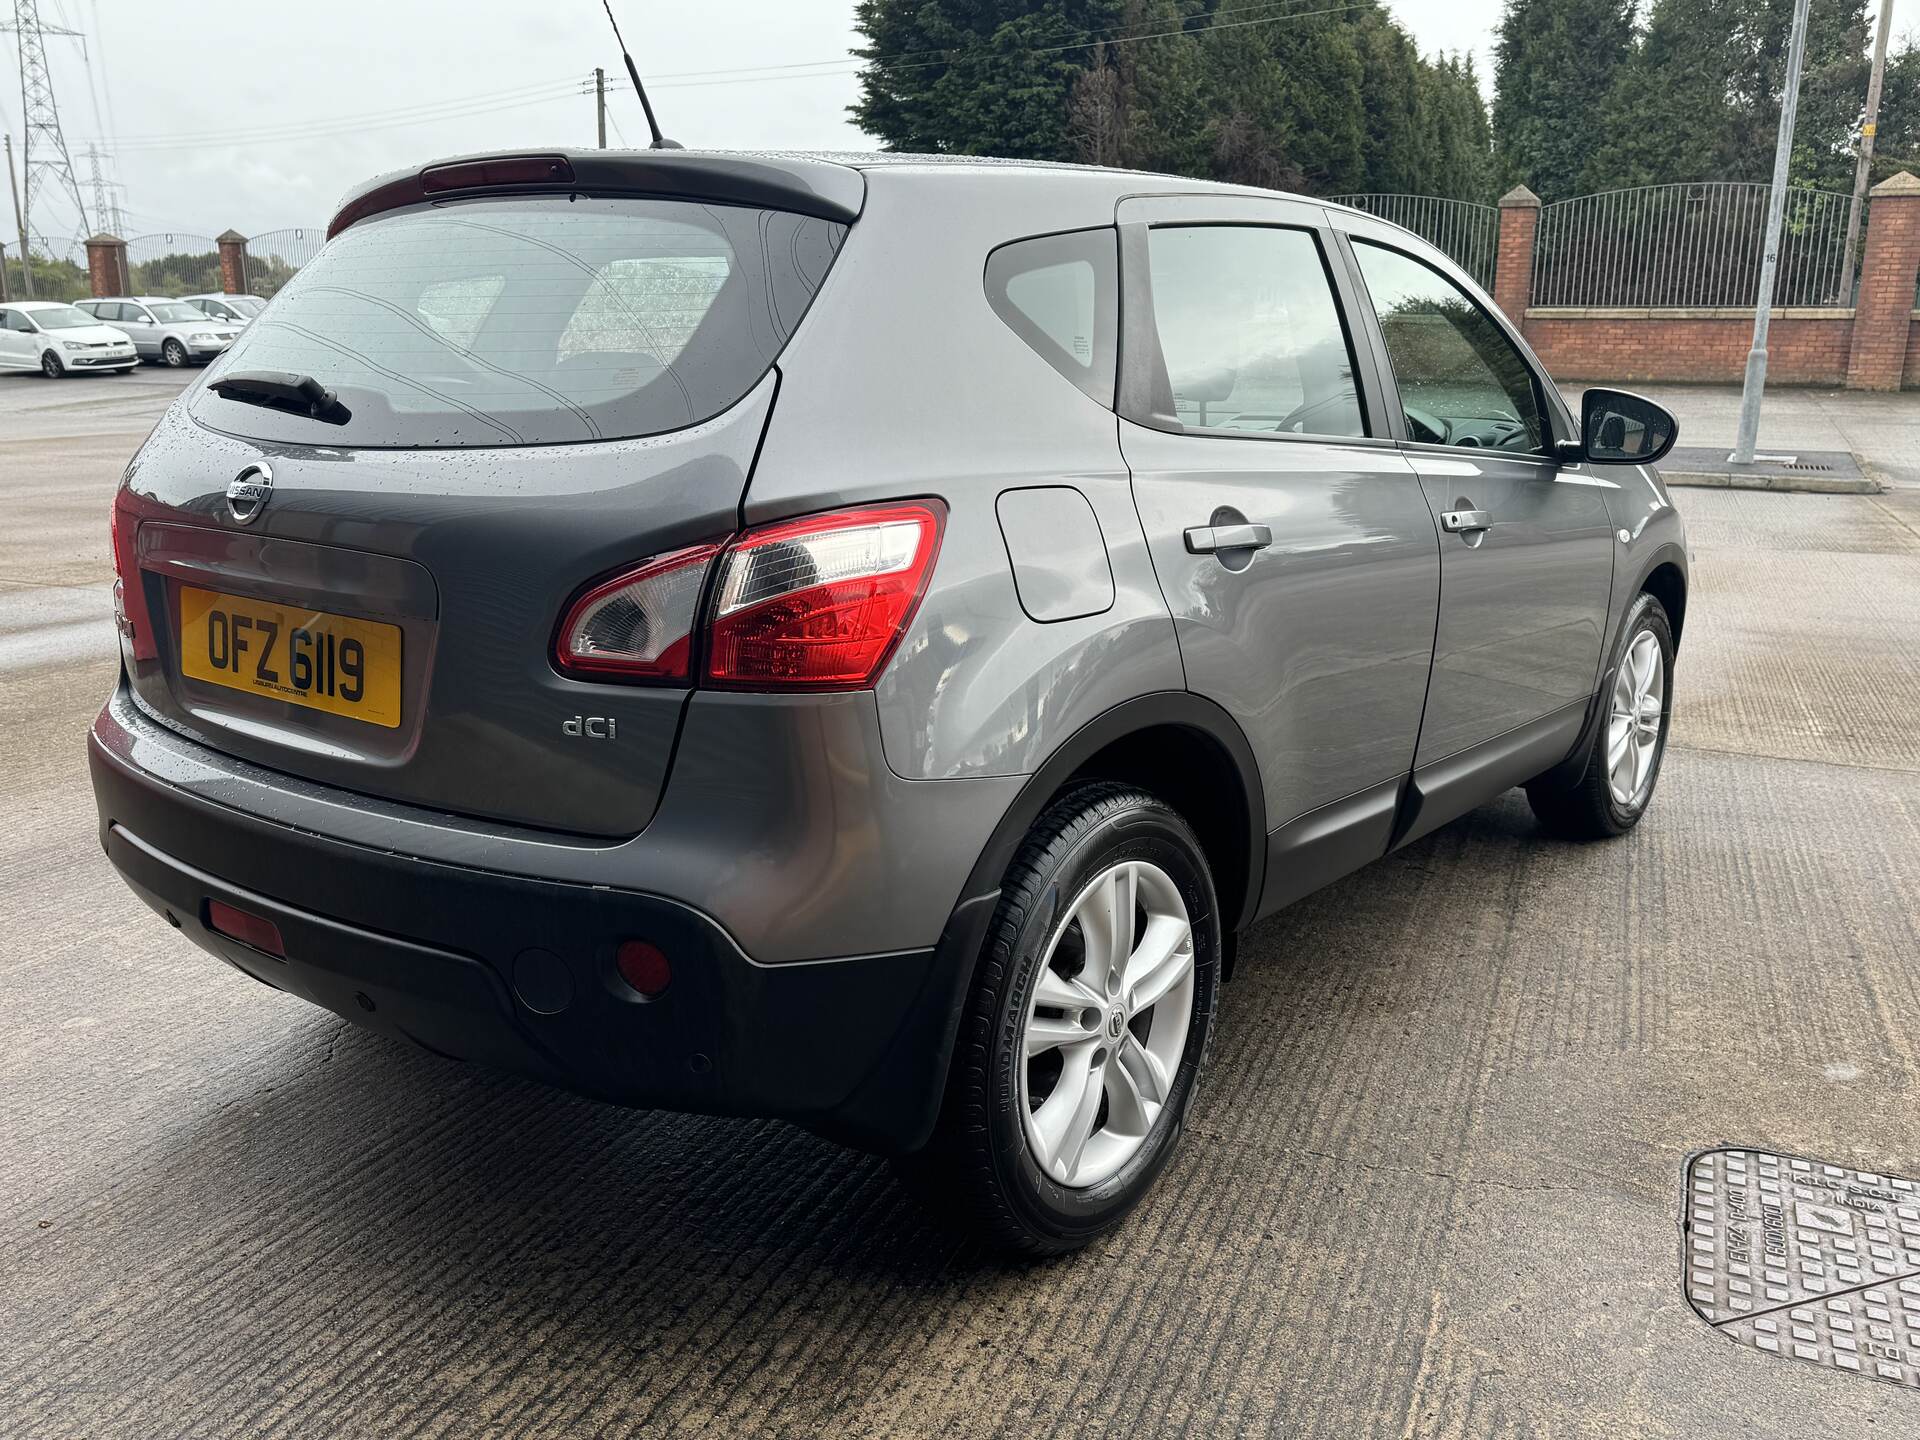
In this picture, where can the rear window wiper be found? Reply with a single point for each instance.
(282, 390)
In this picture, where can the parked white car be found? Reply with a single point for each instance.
(163, 329)
(233, 309)
(56, 338)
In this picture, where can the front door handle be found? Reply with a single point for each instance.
(1465, 522)
(1206, 539)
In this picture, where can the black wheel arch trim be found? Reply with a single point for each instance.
(1164, 708)
(918, 1071)
(1668, 553)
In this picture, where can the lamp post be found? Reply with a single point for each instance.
(1756, 383)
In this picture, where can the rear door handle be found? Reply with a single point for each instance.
(1206, 539)
(1465, 522)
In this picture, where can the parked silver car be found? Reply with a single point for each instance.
(169, 331)
(235, 310)
(54, 338)
(855, 640)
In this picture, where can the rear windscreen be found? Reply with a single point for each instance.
(530, 321)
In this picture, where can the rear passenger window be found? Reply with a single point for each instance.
(1060, 294)
(1250, 334)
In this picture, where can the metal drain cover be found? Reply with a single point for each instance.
(1800, 1258)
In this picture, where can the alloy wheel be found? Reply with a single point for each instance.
(1635, 726)
(1107, 1024)
(174, 353)
(50, 365)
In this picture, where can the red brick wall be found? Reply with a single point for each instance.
(1802, 348)
(1883, 320)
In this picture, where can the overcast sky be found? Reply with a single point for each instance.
(259, 116)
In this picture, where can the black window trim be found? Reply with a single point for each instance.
(1377, 342)
(1140, 340)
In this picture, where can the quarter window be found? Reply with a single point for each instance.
(1060, 294)
(1462, 381)
(1250, 334)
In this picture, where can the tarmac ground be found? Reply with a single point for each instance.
(1432, 1185)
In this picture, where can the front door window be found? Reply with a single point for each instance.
(1462, 382)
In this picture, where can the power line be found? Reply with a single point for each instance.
(891, 69)
(551, 91)
(371, 119)
(896, 63)
(901, 56)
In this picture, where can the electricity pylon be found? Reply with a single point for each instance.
(106, 199)
(44, 159)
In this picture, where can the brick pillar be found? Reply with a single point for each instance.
(1887, 277)
(107, 265)
(1513, 257)
(233, 262)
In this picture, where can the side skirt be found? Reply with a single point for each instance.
(1447, 789)
(1325, 844)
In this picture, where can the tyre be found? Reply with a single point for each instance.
(1623, 764)
(1085, 1028)
(174, 354)
(50, 365)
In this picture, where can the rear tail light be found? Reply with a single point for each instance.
(129, 594)
(254, 931)
(819, 603)
(639, 624)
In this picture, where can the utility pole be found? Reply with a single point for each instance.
(1863, 167)
(600, 97)
(1749, 432)
(20, 222)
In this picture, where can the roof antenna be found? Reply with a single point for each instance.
(660, 142)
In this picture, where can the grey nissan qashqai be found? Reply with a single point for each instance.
(856, 639)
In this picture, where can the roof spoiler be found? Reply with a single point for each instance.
(799, 184)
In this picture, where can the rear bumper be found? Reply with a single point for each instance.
(518, 972)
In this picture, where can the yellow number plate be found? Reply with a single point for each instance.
(306, 657)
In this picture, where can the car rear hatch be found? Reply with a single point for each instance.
(529, 388)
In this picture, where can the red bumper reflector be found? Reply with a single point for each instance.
(255, 931)
(643, 967)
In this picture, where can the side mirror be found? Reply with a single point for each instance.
(1621, 428)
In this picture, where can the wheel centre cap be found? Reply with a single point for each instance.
(1116, 1022)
